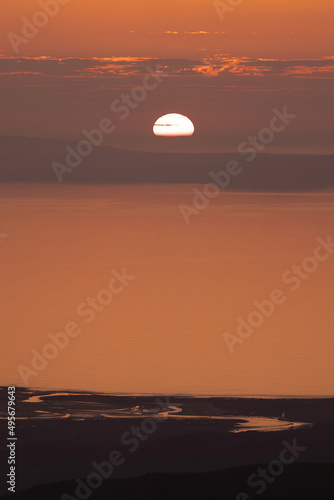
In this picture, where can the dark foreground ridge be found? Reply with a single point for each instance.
(298, 481)
(63, 436)
(30, 160)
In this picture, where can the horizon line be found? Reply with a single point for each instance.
(181, 394)
(101, 146)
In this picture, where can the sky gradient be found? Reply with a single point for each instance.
(227, 76)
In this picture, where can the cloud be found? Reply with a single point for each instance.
(73, 66)
(226, 70)
(88, 67)
(243, 66)
(197, 33)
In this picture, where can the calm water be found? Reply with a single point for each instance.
(39, 405)
(164, 332)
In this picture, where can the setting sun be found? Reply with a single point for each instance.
(173, 125)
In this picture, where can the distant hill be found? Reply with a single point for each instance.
(305, 481)
(30, 160)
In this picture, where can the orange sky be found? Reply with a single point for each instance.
(257, 28)
(227, 76)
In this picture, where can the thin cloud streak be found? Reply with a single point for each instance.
(218, 65)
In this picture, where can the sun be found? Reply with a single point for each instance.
(173, 125)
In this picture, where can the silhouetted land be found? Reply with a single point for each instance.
(298, 481)
(183, 458)
(29, 160)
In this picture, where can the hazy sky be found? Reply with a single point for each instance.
(227, 76)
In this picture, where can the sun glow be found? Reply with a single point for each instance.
(173, 125)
